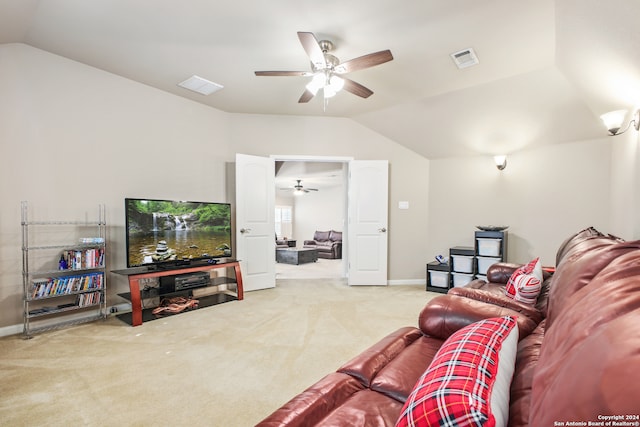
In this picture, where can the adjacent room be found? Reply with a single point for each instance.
(310, 202)
(428, 171)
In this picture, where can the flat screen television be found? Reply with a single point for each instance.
(164, 232)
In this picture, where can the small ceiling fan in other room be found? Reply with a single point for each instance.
(299, 189)
(327, 70)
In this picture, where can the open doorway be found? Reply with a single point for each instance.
(311, 196)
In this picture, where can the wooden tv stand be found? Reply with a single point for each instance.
(138, 273)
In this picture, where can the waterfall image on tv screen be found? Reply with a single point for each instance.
(161, 231)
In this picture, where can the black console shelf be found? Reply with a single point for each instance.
(147, 313)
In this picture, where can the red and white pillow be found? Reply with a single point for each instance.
(525, 283)
(468, 381)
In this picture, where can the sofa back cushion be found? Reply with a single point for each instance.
(589, 359)
(587, 233)
(321, 236)
(335, 236)
(582, 241)
(578, 268)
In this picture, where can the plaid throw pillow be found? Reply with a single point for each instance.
(525, 283)
(457, 387)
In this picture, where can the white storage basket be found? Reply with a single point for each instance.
(484, 263)
(489, 247)
(462, 263)
(439, 279)
(461, 279)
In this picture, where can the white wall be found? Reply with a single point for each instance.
(543, 195)
(322, 210)
(72, 136)
(625, 185)
(338, 137)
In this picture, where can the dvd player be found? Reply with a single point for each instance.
(194, 280)
(169, 284)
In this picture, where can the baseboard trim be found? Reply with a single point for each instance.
(11, 330)
(407, 282)
(18, 329)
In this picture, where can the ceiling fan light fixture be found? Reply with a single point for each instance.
(336, 83)
(316, 83)
(329, 92)
(325, 66)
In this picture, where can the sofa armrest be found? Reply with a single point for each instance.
(500, 272)
(500, 300)
(367, 364)
(445, 314)
(309, 242)
(315, 403)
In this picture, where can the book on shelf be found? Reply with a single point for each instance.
(52, 286)
(78, 259)
(84, 300)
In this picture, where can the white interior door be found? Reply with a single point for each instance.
(255, 223)
(368, 222)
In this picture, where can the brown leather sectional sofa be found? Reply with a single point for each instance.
(578, 358)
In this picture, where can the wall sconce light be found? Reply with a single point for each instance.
(613, 121)
(501, 162)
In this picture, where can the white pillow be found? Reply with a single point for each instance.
(501, 395)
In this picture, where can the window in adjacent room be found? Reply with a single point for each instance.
(284, 226)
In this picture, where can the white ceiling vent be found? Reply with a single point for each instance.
(200, 85)
(465, 58)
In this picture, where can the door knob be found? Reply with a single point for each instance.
(382, 230)
(245, 230)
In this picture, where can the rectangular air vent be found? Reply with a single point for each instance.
(200, 85)
(465, 58)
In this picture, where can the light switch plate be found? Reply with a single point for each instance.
(403, 205)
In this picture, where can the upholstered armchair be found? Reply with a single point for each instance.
(281, 243)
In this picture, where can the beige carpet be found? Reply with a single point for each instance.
(321, 269)
(227, 365)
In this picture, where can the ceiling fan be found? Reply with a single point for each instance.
(299, 188)
(327, 70)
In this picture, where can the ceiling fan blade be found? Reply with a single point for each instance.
(356, 88)
(365, 61)
(311, 189)
(307, 96)
(284, 73)
(311, 46)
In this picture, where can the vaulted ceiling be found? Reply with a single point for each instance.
(547, 69)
